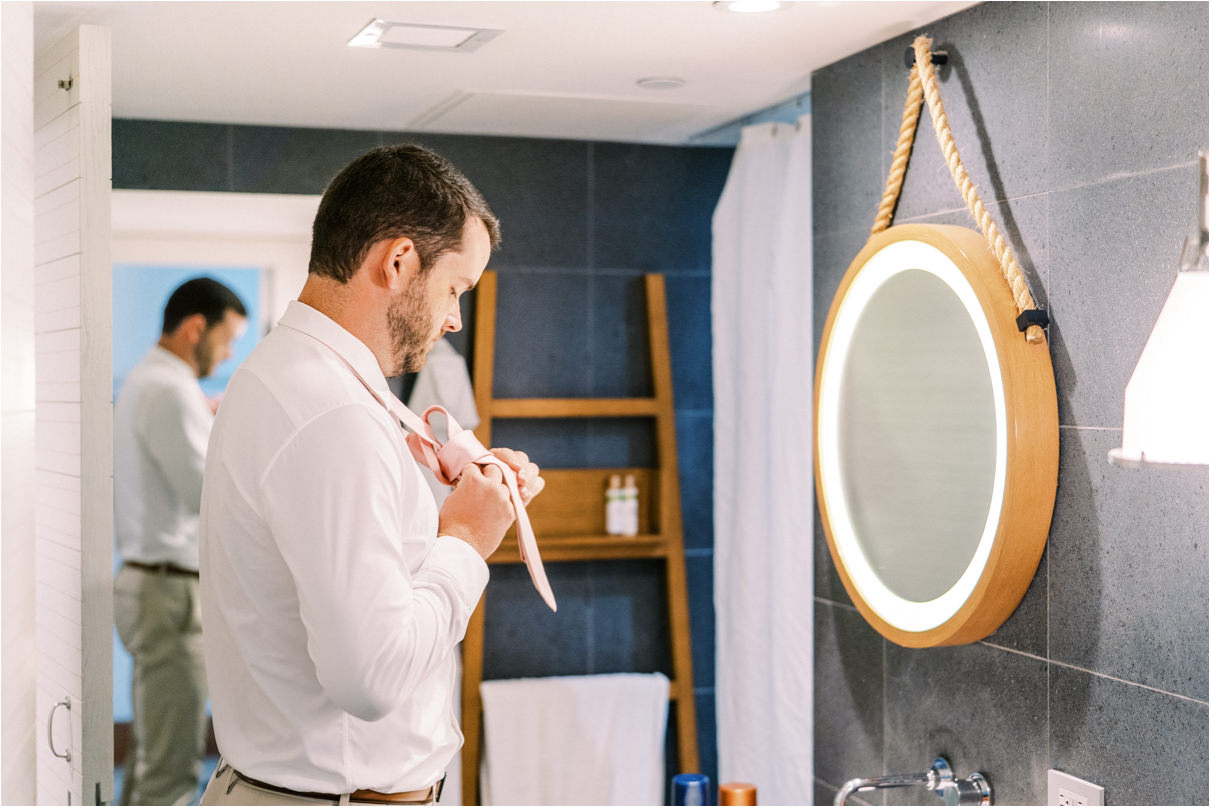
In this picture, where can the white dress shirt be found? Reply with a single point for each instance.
(161, 425)
(330, 606)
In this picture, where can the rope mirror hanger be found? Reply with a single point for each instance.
(923, 85)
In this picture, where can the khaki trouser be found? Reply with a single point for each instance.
(228, 788)
(158, 618)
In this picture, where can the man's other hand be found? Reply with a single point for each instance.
(478, 510)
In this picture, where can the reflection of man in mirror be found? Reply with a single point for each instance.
(334, 590)
(162, 423)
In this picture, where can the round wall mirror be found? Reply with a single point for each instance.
(937, 438)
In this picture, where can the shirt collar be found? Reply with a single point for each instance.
(315, 323)
(163, 356)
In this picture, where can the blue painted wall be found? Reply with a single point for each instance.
(582, 222)
(1080, 124)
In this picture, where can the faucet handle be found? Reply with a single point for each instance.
(973, 790)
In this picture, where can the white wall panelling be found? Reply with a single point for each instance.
(73, 481)
(18, 723)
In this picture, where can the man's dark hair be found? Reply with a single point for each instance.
(204, 296)
(403, 191)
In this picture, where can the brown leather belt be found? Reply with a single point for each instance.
(164, 567)
(363, 795)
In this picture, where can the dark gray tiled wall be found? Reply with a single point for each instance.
(1080, 125)
(581, 224)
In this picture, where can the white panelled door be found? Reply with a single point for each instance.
(74, 419)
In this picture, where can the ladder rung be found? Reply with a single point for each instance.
(572, 407)
(581, 548)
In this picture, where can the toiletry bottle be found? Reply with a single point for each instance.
(737, 794)
(691, 789)
(630, 507)
(614, 506)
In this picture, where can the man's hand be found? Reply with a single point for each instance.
(478, 510)
(529, 484)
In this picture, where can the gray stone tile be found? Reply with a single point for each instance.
(1023, 223)
(1128, 567)
(689, 310)
(982, 708)
(283, 160)
(1143, 747)
(1026, 629)
(523, 638)
(542, 346)
(1128, 89)
(696, 470)
(832, 254)
(827, 582)
(171, 156)
(822, 793)
(629, 618)
(622, 442)
(652, 205)
(553, 443)
(700, 579)
(992, 91)
(618, 333)
(1114, 255)
(847, 115)
(848, 696)
(537, 187)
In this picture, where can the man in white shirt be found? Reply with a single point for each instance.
(162, 422)
(334, 592)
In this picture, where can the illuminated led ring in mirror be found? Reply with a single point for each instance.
(981, 576)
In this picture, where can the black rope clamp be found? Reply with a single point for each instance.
(1032, 317)
(939, 58)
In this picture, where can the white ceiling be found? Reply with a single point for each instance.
(559, 69)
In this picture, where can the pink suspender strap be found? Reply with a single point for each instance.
(447, 461)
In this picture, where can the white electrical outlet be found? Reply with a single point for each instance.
(1064, 789)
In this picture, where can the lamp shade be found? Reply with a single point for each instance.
(1168, 400)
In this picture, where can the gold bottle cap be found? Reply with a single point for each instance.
(737, 794)
(615, 481)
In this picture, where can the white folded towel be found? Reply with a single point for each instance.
(575, 740)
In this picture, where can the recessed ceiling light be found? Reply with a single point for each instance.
(747, 6)
(661, 83)
(383, 34)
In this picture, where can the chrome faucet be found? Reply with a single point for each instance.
(940, 779)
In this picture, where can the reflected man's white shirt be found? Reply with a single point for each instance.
(331, 608)
(161, 425)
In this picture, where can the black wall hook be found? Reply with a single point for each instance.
(937, 57)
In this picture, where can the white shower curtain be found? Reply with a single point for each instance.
(762, 341)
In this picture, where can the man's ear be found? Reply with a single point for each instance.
(194, 326)
(401, 263)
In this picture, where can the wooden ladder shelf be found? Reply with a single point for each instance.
(569, 516)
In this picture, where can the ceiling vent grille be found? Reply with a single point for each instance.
(383, 34)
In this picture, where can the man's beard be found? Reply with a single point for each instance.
(203, 355)
(406, 320)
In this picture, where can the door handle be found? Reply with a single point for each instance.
(50, 729)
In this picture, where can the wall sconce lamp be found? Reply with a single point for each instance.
(1167, 405)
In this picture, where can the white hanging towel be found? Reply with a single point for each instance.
(575, 740)
(444, 381)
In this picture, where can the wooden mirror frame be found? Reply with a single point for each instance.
(1029, 438)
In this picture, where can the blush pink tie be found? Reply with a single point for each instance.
(447, 460)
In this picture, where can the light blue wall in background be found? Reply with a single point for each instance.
(139, 295)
